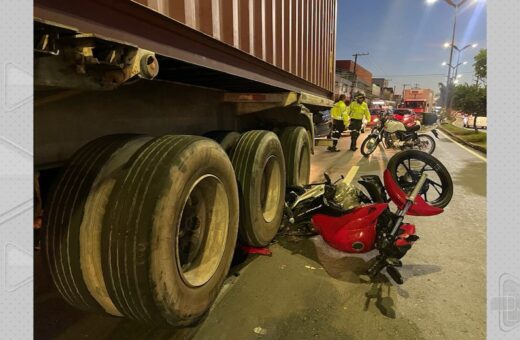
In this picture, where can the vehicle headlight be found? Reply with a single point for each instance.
(376, 120)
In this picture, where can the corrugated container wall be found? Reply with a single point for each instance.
(297, 36)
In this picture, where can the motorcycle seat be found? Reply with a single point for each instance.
(413, 128)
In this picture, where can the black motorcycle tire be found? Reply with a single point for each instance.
(441, 171)
(431, 140)
(364, 151)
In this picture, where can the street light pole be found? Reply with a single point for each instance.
(448, 80)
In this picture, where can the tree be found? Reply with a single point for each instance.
(442, 99)
(470, 99)
(480, 65)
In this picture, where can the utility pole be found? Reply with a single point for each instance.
(404, 88)
(354, 83)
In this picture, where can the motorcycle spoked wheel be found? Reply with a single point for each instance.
(426, 143)
(407, 167)
(369, 145)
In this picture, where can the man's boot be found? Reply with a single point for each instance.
(353, 140)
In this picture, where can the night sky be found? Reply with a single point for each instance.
(405, 38)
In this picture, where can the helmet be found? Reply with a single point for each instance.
(359, 95)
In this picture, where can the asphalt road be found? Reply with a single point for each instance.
(308, 290)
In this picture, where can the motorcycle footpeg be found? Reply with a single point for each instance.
(394, 274)
(393, 262)
(412, 238)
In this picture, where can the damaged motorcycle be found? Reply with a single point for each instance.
(353, 221)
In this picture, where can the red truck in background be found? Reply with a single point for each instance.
(418, 100)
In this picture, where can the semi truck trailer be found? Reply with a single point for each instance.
(166, 132)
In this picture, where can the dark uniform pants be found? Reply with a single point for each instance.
(355, 128)
(338, 126)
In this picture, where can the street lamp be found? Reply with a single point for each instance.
(456, 7)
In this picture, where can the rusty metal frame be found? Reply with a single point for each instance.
(134, 23)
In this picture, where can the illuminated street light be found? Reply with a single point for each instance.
(446, 45)
(444, 63)
(464, 63)
(459, 75)
(474, 45)
(456, 81)
(431, 2)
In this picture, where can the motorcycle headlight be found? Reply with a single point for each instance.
(376, 120)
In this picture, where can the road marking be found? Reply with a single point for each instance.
(464, 147)
(351, 174)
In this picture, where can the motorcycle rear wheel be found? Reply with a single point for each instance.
(426, 143)
(407, 167)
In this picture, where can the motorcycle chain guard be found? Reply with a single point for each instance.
(353, 232)
(398, 196)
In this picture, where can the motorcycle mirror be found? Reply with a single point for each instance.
(327, 177)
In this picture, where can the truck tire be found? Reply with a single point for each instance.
(170, 230)
(227, 139)
(297, 155)
(260, 171)
(73, 222)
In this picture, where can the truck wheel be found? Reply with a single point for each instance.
(260, 170)
(170, 230)
(297, 155)
(227, 139)
(73, 223)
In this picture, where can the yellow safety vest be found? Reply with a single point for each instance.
(346, 116)
(358, 111)
(338, 110)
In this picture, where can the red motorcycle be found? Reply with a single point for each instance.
(354, 222)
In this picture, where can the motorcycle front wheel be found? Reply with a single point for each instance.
(425, 143)
(369, 145)
(408, 166)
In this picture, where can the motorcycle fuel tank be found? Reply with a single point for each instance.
(353, 232)
(392, 126)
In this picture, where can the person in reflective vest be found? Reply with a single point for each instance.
(339, 114)
(358, 110)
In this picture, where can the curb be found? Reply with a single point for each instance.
(462, 141)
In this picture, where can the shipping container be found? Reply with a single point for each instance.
(287, 44)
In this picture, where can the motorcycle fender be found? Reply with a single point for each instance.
(353, 232)
(398, 196)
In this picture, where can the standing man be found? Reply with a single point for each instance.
(357, 110)
(339, 113)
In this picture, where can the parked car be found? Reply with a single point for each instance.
(407, 116)
(374, 116)
(322, 123)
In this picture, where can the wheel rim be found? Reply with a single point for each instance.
(408, 172)
(270, 189)
(371, 145)
(425, 144)
(304, 166)
(202, 231)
